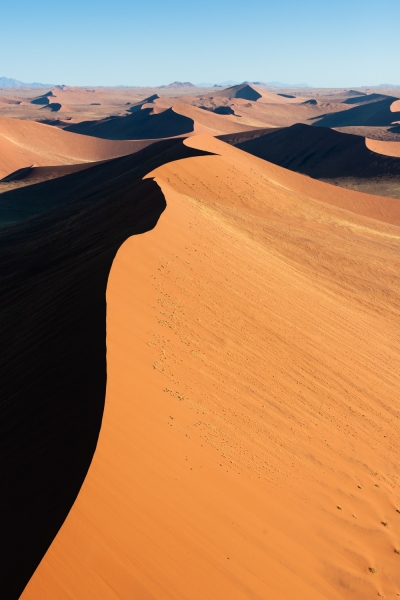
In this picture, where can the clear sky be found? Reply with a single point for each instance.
(321, 42)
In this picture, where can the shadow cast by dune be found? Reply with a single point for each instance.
(18, 174)
(224, 110)
(321, 153)
(139, 124)
(53, 106)
(53, 272)
(374, 113)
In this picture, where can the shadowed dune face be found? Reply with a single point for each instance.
(26, 143)
(365, 99)
(42, 100)
(372, 114)
(250, 438)
(272, 110)
(148, 122)
(31, 175)
(248, 93)
(329, 155)
(54, 272)
(213, 123)
(139, 125)
(244, 91)
(224, 110)
(53, 106)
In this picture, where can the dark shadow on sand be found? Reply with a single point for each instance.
(53, 276)
(140, 124)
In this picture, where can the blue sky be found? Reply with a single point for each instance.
(336, 43)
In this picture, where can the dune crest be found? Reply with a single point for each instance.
(382, 147)
(27, 143)
(250, 437)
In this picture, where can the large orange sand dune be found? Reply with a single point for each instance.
(249, 446)
(27, 143)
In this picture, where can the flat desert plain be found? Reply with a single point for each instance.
(201, 308)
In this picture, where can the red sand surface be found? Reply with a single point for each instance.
(382, 147)
(27, 143)
(249, 446)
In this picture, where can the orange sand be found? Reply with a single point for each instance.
(382, 147)
(27, 143)
(249, 446)
(207, 122)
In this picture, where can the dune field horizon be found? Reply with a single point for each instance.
(199, 302)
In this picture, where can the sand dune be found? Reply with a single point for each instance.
(329, 155)
(54, 269)
(245, 91)
(249, 446)
(142, 124)
(375, 114)
(249, 92)
(382, 147)
(42, 100)
(365, 99)
(206, 122)
(33, 175)
(26, 143)
(53, 106)
(155, 121)
(273, 110)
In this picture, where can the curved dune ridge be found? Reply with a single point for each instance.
(141, 124)
(395, 107)
(249, 92)
(369, 114)
(273, 110)
(27, 143)
(55, 261)
(330, 155)
(382, 147)
(207, 122)
(153, 121)
(249, 446)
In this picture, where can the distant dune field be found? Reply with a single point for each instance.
(26, 143)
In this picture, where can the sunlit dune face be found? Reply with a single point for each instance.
(249, 446)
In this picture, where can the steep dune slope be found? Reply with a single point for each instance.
(53, 271)
(142, 124)
(246, 91)
(249, 447)
(206, 122)
(330, 155)
(26, 143)
(156, 122)
(373, 114)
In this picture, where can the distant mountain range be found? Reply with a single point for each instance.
(387, 85)
(271, 83)
(177, 85)
(6, 82)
